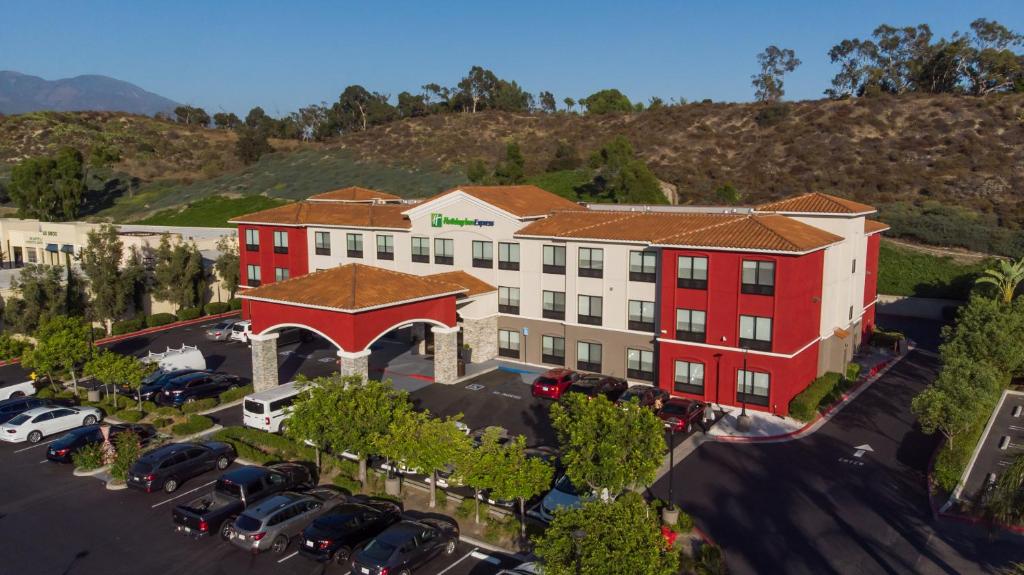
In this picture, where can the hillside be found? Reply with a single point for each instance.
(21, 93)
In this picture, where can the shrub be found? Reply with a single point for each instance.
(235, 303)
(98, 333)
(347, 483)
(46, 392)
(883, 338)
(88, 457)
(195, 424)
(127, 450)
(11, 347)
(162, 421)
(853, 371)
(260, 446)
(805, 405)
(119, 402)
(127, 326)
(216, 307)
(466, 508)
(189, 313)
(166, 411)
(441, 496)
(149, 406)
(130, 415)
(235, 394)
(201, 405)
(685, 523)
(159, 319)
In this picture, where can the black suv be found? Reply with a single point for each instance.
(195, 386)
(168, 466)
(406, 546)
(154, 383)
(64, 448)
(334, 535)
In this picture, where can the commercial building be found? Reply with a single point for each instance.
(722, 304)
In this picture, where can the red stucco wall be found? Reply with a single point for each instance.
(296, 260)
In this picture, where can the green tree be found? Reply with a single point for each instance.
(228, 264)
(774, 64)
(62, 344)
(476, 466)
(622, 538)
(191, 116)
(547, 102)
(513, 169)
(622, 177)
(955, 400)
(607, 102)
(43, 296)
(111, 287)
(988, 331)
(178, 274)
(607, 448)
(566, 157)
(569, 104)
(258, 119)
(357, 109)
(412, 105)
(103, 155)
(517, 476)
(127, 449)
(476, 171)
(115, 369)
(728, 194)
(1006, 276)
(252, 144)
(49, 188)
(887, 64)
(1004, 503)
(477, 87)
(424, 442)
(227, 120)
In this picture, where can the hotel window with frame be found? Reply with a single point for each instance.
(588, 356)
(689, 377)
(280, 274)
(643, 267)
(752, 386)
(385, 247)
(591, 263)
(354, 245)
(691, 325)
(280, 242)
(756, 332)
(758, 277)
(444, 251)
(508, 300)
(640, 364)
(322, 241)
(421, 250)
(589, 309)
(32, 257)
(252, 275)
(553, 304)
(252, 240)
(552, 349)
(554, 260)
(508, 343)
(641, 315)
(692, 272)
(508, 256)
(483, 254)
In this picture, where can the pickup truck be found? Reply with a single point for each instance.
(233, 493)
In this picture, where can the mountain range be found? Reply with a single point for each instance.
(22, 93)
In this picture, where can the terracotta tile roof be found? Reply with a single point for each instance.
(766, 232)
(331, 214)
(523, 201)
(354, 194)
(460, 279)
(353, 287)
(816, 203)
(874, 226)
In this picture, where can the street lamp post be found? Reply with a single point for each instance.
(718, 380)
(669, 513)
(743, 421)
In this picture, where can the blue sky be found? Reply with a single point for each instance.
(233, 55)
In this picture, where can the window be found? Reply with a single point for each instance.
(752, 386)
(589, 310)
(588, 356)
(421, 250)
(756, 332)
(758, 277)
(508, 256)
(643, 266)
(640, 364)
(508, 343)
(253, 275)
(690, 324)
(444, 251)
(322, 241)
(591, 262)
(554, 260)
(692, 272)
(508, 300)
(554, 305)
(641, 315)
(280, 242)
(385, 247)
(853, 266)
(31, 255)
(280, 274)
(354, 245)
(252, 240)
(483, 254)
(689, 377)
(552, 349)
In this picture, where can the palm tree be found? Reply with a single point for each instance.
(1006, 276)
(1005, 500)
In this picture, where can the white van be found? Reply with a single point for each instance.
(184, 357)
(267, 410)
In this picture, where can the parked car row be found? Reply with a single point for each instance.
(178, 387)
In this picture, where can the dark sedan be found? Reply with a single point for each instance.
(169, 466)
(406, 546)
(333, 535)
(681, 414)
(195, 386)
(9, 408)
(648, 396)
(68, 444)
(154, 383)
(592, 385)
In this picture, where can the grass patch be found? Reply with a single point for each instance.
(953, 457)
(195, 424)
(563, 182)
(212, 212)
(906, 272)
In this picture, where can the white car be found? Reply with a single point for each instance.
(241, 331)
(34, 424)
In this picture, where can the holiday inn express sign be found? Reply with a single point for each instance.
(440, 220)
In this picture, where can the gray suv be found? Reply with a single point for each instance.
(271, 524)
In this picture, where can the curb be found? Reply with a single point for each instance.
(494, 548)
(222, 406)
(111, 486)
(90, 472)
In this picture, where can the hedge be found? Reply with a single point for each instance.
(263, 447)
(853, 371)
(130, 415)
(805, 405)
(162, 422)
(166, 411)
(347, 483)
(216, 307)
(159, 319)
(195, 424)
(883, 338)
(235, 303)
(197, 406)
(189, 313)
(954, 457)
(127, 326)
(235, 394)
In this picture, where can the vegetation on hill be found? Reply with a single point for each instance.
(213, 211)
(905, 271)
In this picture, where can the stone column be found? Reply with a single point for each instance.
(446, 354)
(264, 361)
(481, 335)
(354, 363)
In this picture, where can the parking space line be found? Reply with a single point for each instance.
(287, 557)
(45, 461)
(485, 557)
(460, 560)
(155, 505)
(40, 444)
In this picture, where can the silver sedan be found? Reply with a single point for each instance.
(221, 331)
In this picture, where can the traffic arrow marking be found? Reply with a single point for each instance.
(861, 450)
